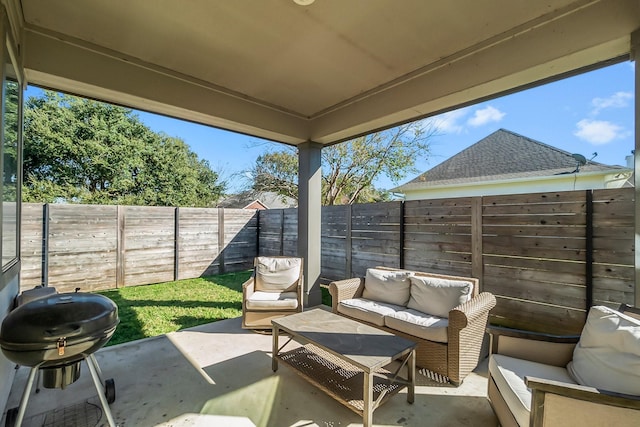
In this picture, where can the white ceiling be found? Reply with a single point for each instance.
(324, 72)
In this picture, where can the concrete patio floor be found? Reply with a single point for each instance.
(220, 375)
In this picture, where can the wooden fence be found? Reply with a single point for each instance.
(546, 256)
(96, 247)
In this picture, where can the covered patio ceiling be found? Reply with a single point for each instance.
(325, 72)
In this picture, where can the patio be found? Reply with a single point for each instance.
(220, 375)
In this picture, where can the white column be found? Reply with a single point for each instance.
(309, 218)
(635, 56)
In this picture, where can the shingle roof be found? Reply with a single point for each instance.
(500, 156)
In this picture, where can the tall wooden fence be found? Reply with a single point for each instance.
(546, 256)
(96, 247)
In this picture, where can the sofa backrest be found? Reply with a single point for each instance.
(473, 280)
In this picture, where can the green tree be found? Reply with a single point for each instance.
(83, 151)
(349, 168)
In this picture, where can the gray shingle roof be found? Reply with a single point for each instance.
(499, 156)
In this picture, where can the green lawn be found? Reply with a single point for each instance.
(151, 310)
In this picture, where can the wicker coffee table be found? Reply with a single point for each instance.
(346, 359)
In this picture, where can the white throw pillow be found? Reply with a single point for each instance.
(277, 274)
(608, 354)
(387, 286)
(437, 296)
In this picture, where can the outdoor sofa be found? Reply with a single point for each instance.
(592, 379)
(446, 315)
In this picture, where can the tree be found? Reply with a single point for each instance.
(83, 151)
(350, 168)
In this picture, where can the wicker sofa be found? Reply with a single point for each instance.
(449, 336)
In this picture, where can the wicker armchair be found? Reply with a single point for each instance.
(457, 357)
(553, 401)
(273, 290)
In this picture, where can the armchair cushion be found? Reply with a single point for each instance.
(276, 274)
(260, 300)
(367, 310)
(608, 353)
(509, 373)
(387, 286)
(419, 325)
(437, 296)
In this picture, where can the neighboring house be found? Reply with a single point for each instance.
(507, 163)
(257, 200)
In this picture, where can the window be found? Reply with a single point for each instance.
(11, 179)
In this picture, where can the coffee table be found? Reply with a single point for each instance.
(346, 359)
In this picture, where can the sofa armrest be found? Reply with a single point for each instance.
(345, 289)
(555, 403)
(556, 350)
(472, 311)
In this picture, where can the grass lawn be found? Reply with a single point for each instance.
(150, 310)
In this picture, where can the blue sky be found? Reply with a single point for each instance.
(585, 114)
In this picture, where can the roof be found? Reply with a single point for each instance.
(267, 199)
(503, 155)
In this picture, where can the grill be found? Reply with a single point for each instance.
(52, 335)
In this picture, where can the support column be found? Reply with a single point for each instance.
(635, 56)
(309, 218)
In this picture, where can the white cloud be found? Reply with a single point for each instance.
(448, 122)
(598, 132)
(485, 115)
(617, 100)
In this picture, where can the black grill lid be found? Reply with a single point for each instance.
(80, 322)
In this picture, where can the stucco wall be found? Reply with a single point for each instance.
(556, 183)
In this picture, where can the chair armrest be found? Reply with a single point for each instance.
(556, 350)
(557, 403)
(248, 287)
(345, 289)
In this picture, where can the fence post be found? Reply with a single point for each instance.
(120, 250)
(281, 232)
(401, 234)
(589, 249)
(347, 241)
(45, 245)
(257, 232)
(221, 248)
(477, 266)
(176, 243)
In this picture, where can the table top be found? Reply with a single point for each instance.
(365, 346)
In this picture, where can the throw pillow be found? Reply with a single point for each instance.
(277, 274)
(437, 296)
(608, 353)
(387, 286)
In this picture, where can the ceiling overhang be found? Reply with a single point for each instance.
(568, 36)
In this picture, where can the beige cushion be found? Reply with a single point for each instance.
(272, 301)
(367, 310)
(387, 286)
(608, 354)
(277, 274)
(418, 324)
(509, 372)
(438, 296)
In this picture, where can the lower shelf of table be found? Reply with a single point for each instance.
(336, 377)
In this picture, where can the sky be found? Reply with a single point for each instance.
(585, 114)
